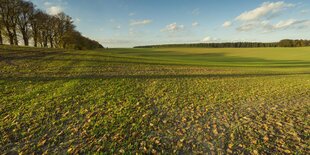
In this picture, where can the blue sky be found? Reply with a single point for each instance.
(127, 23)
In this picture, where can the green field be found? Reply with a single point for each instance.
(160, 100)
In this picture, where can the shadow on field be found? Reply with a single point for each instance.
(237, 62)
(96, 77)
(184, 59)
(159, 58)
(124, 66)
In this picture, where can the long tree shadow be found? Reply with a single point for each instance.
(193, 59)
(120, 63)
(134, 57)
(206, 59)
(168, 76)
(13, 55)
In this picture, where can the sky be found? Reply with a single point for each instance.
(128, 23)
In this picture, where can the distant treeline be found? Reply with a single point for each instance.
(282, 43)
(21, 20)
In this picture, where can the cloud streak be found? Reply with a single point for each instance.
(140, 22)
(227, 24)
(266, 26)
(209, 39)
(262, 19)
(266, 10)
(174, 27)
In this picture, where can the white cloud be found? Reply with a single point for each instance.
(174, 27)
(259, 19)
(266, 26)
(132, 14)
(209, 39)
(285, 24)
(140, 22)
(54, 10)
(194, 24)
(196, 11)
(227, 24)
(266, 10)
(248, 26)
(290, 24)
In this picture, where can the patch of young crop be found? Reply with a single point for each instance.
(108, 101)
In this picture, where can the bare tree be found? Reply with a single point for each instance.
(53, 30)
(9, 13)
(34, 25)
(26, 11)
(4, 10)
(21, 17)
(59, 29)
(69, 30)
(42, 27)
(14, 13)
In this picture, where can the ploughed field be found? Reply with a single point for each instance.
(160, 100)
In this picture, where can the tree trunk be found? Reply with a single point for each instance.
(64, 45)
(44, 38)
(41, 39)
(23, 30)
(1, 39)
(11, 39)
(45, 43)
(11, 36)
(51, 42)
(15, 37)
(35, 34)
(35, 39)
(26, 39)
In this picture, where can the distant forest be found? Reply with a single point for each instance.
(20, 20)
(282, 43)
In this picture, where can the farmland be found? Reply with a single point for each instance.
(156, 100)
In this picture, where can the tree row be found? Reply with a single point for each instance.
(20, 20)
(282, 43)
